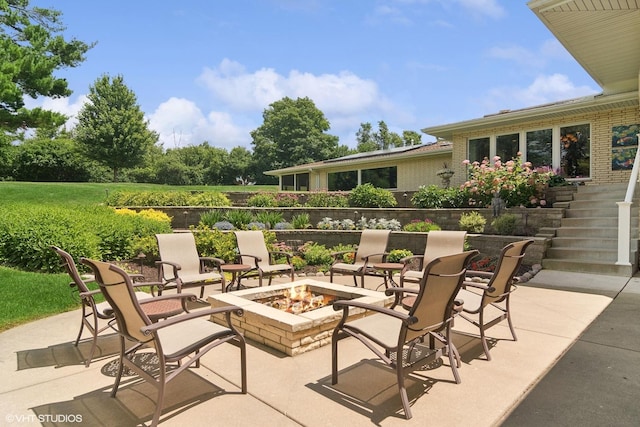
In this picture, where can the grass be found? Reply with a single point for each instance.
(27, 296)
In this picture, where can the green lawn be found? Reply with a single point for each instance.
(26, 296)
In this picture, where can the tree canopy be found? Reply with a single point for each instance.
(292, 133)
(31, 49)
(111, 126)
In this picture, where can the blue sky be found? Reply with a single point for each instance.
(205, 70)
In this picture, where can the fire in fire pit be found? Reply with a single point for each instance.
(297, 299)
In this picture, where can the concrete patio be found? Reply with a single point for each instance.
(46, 383)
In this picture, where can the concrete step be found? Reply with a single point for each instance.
(590, 222)
(594, 267)
(584, 254)
(596, 203)
(585, 243)
(598, 232)
(594, 212)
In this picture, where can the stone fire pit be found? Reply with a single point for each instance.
(289, 333)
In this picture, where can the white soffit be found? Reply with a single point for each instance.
(602, 35)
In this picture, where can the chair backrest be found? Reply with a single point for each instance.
(70, 267)
(372, 242)
(252, 243)
(510, 261)
(439, 285)
(117, 288)
(443, 242)
(181, 249)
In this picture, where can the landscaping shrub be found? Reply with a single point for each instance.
(378, 224)
(397, 254)
(269, 218)
(435, 197)
(215, 243)
(222, 225)
(472, 222)
(239, 218)
(349, 252)
(517, 183)
(505, 224)
(262, 200)
(26, 232)
(324, 199)
(418, 225)
(368, 196)
(316, 254)
(301, 221)
(209, 218)
(167, 198)
(255, 225)
(283, 226)
(287, 200)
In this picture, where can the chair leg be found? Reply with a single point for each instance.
(116, 384)
(483, 338)
(508, 314)
(161, 382)
(334, 358)
(201, 292)
(402, 389)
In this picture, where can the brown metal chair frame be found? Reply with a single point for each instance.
(495, 293)
(371, 250)
(169, 335)
(388, 333)
(253, 251)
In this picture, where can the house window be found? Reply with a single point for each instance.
(507, 146)
(302, 182)
(539, 147)
(381, 177)
(575, 148)
(288, 183)
(478, 149)
(342, 181)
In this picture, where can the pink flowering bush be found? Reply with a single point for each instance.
(517, 183)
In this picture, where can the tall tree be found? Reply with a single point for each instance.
(111, 126)
(411, 137)
(292, 133)
(31, 49)
(365, 139)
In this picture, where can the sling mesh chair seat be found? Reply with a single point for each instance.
(371, 250)
(252, 251)
(181, 266)
(393, 335)
(501, 283)
(182, 339)
(439, 243)
(97, 316)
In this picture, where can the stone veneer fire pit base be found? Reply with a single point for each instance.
(292, 334)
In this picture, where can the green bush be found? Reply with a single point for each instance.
(167, 198)
(26, 232)
(269, 218)
(472, 222)
(215, 243)
(505, 224)
(435, 197)
(209, 218)
(368, 196)
(262, 200)
(301, 221)
(315, 254)
(239, 218)
(418, 225)
(397, 254)
(287, 200)
(324, 199)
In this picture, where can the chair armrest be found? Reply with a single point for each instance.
(214, 260)
(281, 253)
(409, 259)
(345, 304)
(477, 285)
(149, 329)
(256, 258)
(398, 291)
(476, 273)
(365, 258)
(89, 294)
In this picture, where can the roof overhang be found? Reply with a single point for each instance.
(588, 104)
(368, 158)
(602, 35)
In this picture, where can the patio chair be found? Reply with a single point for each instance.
(181, 266)
(496, 292)
(439, 243)
(252, 251)
(394, 336)
(97, 316)
(178, 343)
(371, 250)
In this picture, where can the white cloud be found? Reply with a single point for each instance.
(544, 89)
(490, 8)
(61, 105)
(179, 122)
